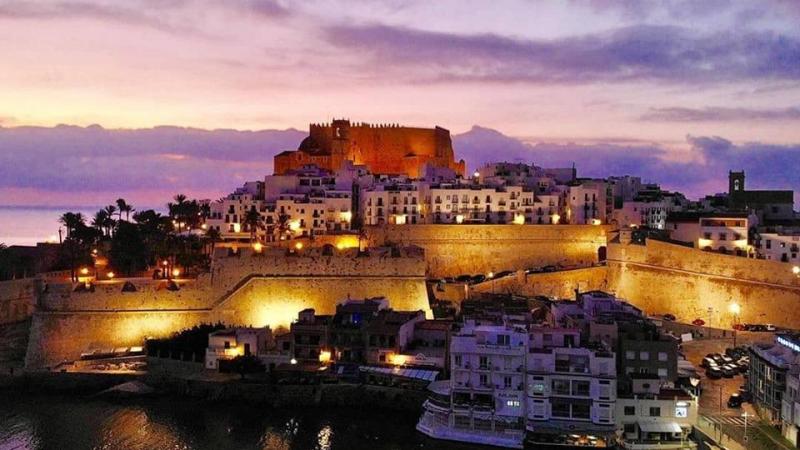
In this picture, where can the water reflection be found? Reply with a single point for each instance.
(176, 424)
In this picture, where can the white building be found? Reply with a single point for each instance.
(304, 203)
(781, 246)
(484, 400)
(726, 233)
(508, 382)
(571, 390)
(653, 417)
(588, 202)
(232, 342)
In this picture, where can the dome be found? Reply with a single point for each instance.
(308, 144)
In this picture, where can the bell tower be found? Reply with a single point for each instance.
(735, 182)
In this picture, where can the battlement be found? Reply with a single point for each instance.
(386, 148)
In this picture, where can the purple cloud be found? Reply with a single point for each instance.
(660, 53)
(719, 114)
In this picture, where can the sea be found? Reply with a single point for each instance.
(27, 225)
(77, 422)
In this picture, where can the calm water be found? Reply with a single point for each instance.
(47, 422)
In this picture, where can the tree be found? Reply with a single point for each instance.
(213, 236)
(128, 251)
(100, 222)
(110, 210)
(252, 219)
(245, 364)
(124, 207)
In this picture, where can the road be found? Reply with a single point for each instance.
(729, 423)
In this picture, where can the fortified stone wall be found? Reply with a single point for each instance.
(109, 296)
(452, 250)
(16, 300)
(666, 278)
(560, 284)
(257, 289)
(63, 336)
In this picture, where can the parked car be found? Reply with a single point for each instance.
(669, 317)
(699, 322)
(714, 372)
(735, 400)
(770, 327)
(729, 370)
(745, 395)
(708, 362)
(549, 269)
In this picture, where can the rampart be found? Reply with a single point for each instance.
(248, 288)
(561, 284)
(693, 284)
(16, 300)
(452, 250)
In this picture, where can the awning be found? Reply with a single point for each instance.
(659, 427)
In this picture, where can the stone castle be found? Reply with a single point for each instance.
(389, 149)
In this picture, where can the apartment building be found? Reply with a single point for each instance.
(224, 345)
(484, 400)
(770, 366)
(589, 202)
(571, 388)
(651, 417)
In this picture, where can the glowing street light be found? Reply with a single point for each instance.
(734, 308)
(796, 270)
(257, 247)
(110, 275)
(84, 271)
(298, 245)
(176, 272)
(293, 361)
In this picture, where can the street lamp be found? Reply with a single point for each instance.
(745, 415)
(796, 270)
(735, 309)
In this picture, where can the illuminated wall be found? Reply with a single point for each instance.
(552, 284)
(16, 300)
(665, 278)
(249, 288)
(56, 337)
(452, 250)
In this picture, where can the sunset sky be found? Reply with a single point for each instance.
(685, 83)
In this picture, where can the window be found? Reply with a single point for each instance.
(457, 360)
(662, 372)
(655, 411)
(630, 428)
(662, 356)
(630, 410)
(681, 411)
(561, 387)
(580, 388)
(483, 362)
(560, 409)
(507, 382)
(581, 411)
(723, 236)
(630, 354)
(503, 339)
(484, 379)
(644, 356)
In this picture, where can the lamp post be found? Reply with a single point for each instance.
(735, 309)
(745, 415)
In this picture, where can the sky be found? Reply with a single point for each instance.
(146, 98)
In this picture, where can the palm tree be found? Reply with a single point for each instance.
(110, 210)
(100, 221)
(253, 220)
(213, 237)
(177, 210)
(123, 206)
